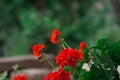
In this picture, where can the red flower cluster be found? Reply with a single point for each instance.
(37, 48)
(55, 36)
(20, 77)
(68, 56)
(59, 75)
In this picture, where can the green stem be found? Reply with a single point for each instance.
(111, 61)
(66, 44)
(100, 64)
(63, 41)
(63, 46)
(74, 71)
(48, 61)
(15, 72)
(88, 65)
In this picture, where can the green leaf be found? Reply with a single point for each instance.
(67, 68)
(79, 66)
(86, 55)
(114, 52)
(85, 75)
(101, 43)
(15, 67)
(3, 75)
(93, 47)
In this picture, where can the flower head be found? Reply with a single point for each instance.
(20, 77)
(81, 56)
(58, 75)
(37, 48)
(81, 48)
(54, 38)
(82, 45)
(68, 56)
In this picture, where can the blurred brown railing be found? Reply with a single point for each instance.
(28, 61)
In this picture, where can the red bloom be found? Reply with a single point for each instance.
(20, 77)
(37, 49)
(52, 76)
(68, 56)
(54, 36)
(81, 56)
(82, 45)
(58, 75)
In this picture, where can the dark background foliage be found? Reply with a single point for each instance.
(26, 22)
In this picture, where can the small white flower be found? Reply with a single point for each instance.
(86, 67)
(118, 69)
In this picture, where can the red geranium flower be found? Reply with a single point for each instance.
(37, 48)
(58, 75)
(81, 57)
(82, 45)
(68, 56)
(20, 77)
(52, 76)
(54, 36)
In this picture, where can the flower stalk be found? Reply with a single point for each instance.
(46, 58)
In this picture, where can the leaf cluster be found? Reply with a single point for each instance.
(103, 65)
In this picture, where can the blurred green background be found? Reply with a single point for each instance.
(26, 22)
